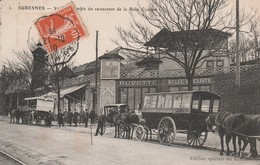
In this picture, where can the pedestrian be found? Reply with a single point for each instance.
(49, 119)
(92, 116)
(66, 116)
(86, 118)
(81, 116)
(75, 118)
(100, 124)
(61, 118)
(70, 117)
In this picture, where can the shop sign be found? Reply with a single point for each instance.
(162, 82)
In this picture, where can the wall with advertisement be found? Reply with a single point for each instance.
(110, 69)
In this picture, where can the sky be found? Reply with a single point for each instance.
(15, 23)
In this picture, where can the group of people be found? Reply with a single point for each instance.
(70, 117)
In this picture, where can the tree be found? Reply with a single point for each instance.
(56, 61)
(248, 42)
(7, 77)
(188, 29)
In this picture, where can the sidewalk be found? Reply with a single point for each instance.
(79, 129)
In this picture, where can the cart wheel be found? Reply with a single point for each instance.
(166, 130)
(196, 139)
(140, 133)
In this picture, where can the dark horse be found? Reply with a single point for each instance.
(232, 125)
(15, 115)
(123, 121)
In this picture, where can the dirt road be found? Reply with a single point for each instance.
(41, 145)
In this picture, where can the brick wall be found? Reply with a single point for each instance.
(246, 98)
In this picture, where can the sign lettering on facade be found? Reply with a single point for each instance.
(162, 82)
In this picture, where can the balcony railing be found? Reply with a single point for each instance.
(127, 73)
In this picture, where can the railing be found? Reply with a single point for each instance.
(141, 73)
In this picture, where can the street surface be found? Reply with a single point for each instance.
(72, 145)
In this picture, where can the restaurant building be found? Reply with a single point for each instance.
(124, 79)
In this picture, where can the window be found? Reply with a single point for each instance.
(137, 98)
(174, 89)
(196, 88)
(205, 105)
(168, 101)
(186, 100)
(161, 100)
(146, 101)
(152, 90)
(195, 104)
(131, 96)
(153, 101)
(215, 105)
(220, 63)
(177, 101)
(184, 89)
(205, 88)
(210, 63)
(123, 95)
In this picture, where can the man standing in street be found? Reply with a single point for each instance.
(70, 117)
(66, 116)
(75, 118)
(86, 118)
(49, 119)
(101, 122)
(60, 118)
(92, 116)
(81, 116)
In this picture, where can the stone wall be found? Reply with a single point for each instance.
(246, 98)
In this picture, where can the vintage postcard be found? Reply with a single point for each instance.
(129, 82)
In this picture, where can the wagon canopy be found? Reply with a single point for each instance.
(40, 103)
(181, 102)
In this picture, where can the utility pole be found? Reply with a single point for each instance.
(237, 45)
(95, 88)
(96, 77)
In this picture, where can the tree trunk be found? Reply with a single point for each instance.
(190, 83)
(189, 77)
(58, 93)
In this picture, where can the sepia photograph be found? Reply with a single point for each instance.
(129, 82)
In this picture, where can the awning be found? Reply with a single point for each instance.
(63, 92)
(39, 98)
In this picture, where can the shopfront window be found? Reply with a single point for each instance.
(123, 95)
(174, 89)
(131, 96)
(137, 98)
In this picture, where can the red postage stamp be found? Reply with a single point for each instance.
(60, 28)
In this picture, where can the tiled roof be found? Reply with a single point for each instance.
(166, 38)
(80, 80)
(87, 68)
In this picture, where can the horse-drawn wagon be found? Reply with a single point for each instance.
(184, 112)
(39, 108)
(109, 111)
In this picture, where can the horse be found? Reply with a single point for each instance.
(255, 130)
(120, 121)
(133, 120)
(231, 125)
(15, 114)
